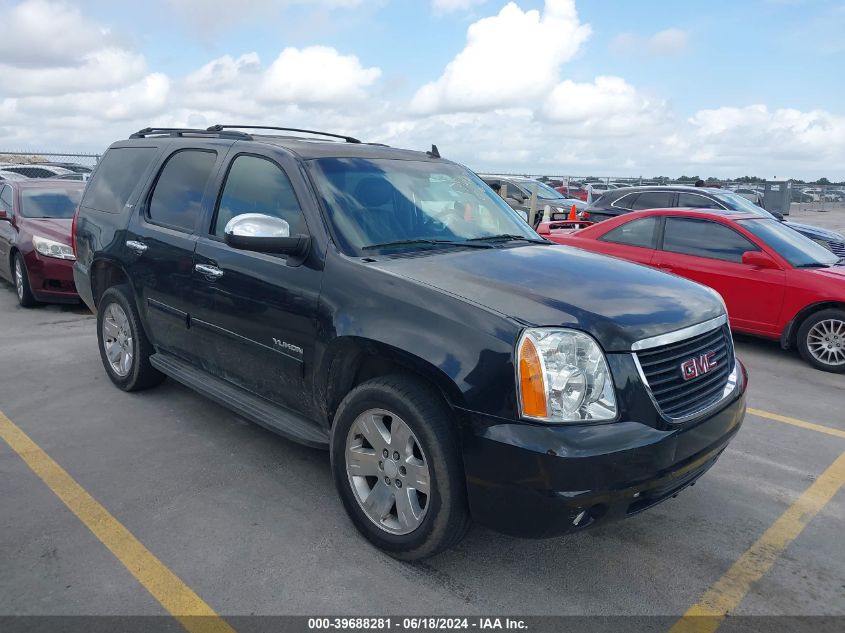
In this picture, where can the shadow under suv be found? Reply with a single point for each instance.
(388, 306)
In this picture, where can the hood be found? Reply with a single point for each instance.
(53, 228)
(816, 232)
(834, 279)
(616, 301)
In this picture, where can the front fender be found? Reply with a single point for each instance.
(465, 348)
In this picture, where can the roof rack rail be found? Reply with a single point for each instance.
(180, 131)
(221, 128)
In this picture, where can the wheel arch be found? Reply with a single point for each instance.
(351, 360)
(104, 274)
(789, 336)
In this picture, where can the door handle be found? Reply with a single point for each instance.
(139, 247)
(211, 272)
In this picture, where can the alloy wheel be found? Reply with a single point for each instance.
(826, 342)
(19, 279)
(117, 340)
(388, 471)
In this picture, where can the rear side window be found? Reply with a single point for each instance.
(626, 202)
(704, 238)
(115, 177)
(257, 185)
(178, 193)
(640, 232)
(696, 201)
(653, 200)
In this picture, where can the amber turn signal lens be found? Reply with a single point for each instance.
(531, 383)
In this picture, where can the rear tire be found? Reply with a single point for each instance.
(821, 340)
(422, 509)
(21, 279)
(124, 347)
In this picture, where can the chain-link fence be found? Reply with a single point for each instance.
(46, 165)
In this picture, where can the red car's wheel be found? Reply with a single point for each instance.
(821, 340)
(22, 287)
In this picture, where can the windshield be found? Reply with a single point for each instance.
(800, 251)
(54, 202)
(543, 190)
(410, 205)
(735, 202)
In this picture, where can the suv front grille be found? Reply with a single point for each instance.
(676, 397)
(838, 248)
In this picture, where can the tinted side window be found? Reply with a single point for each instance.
(627, 201)
(177, 197)
(115, 178)
(696, 201)
(653, 200)
(637, 233)
(257, 185)
(704, 239)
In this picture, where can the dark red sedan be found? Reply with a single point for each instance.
(775, 282)
(35, 243)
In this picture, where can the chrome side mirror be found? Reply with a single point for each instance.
(263, 233)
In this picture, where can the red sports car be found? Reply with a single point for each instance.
(775, 282)
(35, 244)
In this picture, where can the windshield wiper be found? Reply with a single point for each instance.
(421, 241)
(814, 265)
(507, 237)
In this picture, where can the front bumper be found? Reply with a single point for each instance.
(50, 278)
(538, 481)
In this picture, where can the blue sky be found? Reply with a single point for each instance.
(688, 78)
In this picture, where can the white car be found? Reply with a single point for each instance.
(36, 170)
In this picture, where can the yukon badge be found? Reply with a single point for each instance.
(288, 347)
(695, 367)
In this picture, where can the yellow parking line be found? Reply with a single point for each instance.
(165, 586)
(727, 593)
(796, 422)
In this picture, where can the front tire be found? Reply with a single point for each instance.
(821, 340)
(124, 348)
(397, 466)
(22, 287)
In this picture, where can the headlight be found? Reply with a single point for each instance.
(51, 248)
(563, 377)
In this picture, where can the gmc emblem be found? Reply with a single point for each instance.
(698, 366)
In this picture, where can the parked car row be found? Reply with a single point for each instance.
(625, 200)
(517, 192)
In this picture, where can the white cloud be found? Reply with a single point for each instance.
(316, 75)
(453, 6)
(753, 134)
(105, 68)
(504, 103)
(609, 103)
(214, 15)
(509, 59)
(223, 71)
(40, 33)
(667, 43)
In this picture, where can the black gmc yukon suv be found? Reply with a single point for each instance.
(389, 306)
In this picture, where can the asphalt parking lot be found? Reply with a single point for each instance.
(251, 523)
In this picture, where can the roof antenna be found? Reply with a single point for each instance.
(434, 153)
